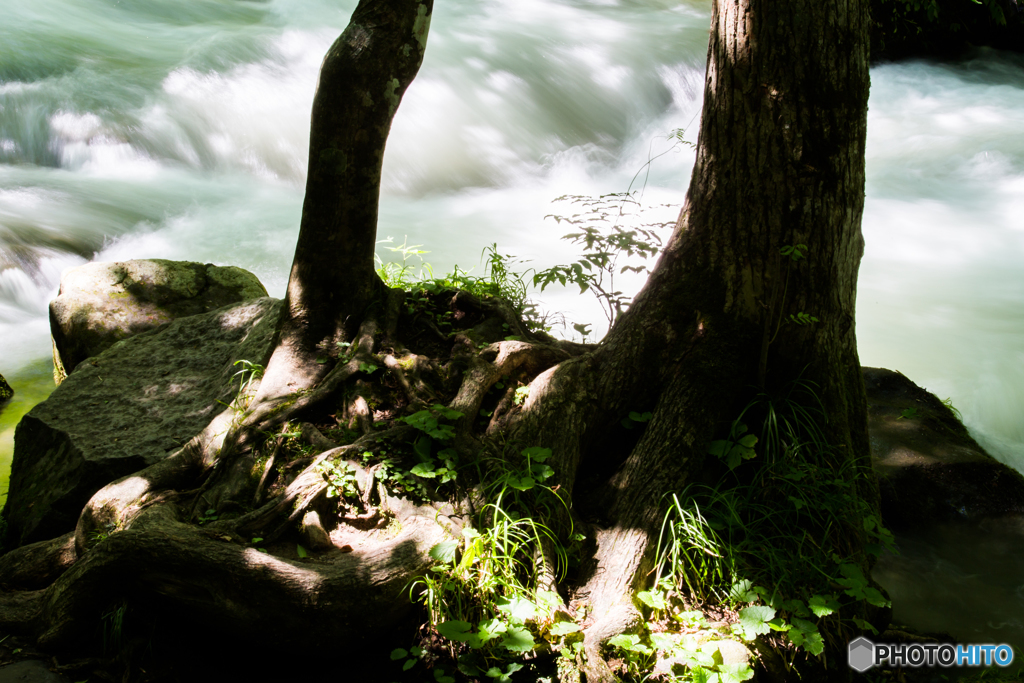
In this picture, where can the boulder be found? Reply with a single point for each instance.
(929, 467)
(100, 304)
(126, 408)
(5, 390)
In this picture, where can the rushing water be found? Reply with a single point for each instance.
(156, 128)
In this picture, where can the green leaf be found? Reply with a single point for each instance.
(664, 641)
(743, 590)
(536, 453)
(779, 624)
(624, 640)
(822, 606)
(654, 600)
(518, 639)
(734, 673)
(301, 551)
(491, 628)
(444, 551)
(423, 470)
(865, 625)
(748, 441)
(399, 653)
(563, 628)
(754, 619)
(518, 609)
(409, 663)
(520, 483)
(542, 472)
(455, 630)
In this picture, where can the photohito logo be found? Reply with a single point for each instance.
(865, 654)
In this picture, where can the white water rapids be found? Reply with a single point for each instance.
(133, 129)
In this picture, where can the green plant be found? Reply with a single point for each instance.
(340, 478)
(430, 423)
(113, 627)
(610, 249)
(948, 402)
(777, 565)
(208, 516)
(402, 274)
(249, 373)
(739, 445)
(483, 593)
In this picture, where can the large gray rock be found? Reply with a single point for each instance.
(125, 409)
(100, 304)
(929, 467)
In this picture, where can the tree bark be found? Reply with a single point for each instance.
(333, 282)
(728, 312)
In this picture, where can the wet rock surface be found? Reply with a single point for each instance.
(929, 467)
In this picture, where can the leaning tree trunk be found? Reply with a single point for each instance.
(780, 167)
(333, 281)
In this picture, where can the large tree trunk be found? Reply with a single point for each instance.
(780, 162)
(728, 312)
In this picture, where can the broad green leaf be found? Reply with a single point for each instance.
(664, 641)
(865, 625)
(748, 441)
(734, 673)
(564, 628)
(701, 675)
(521, 484)
(627, 641)
(778, 624)
(547, 601)
(812, 642)
(821, 605)
(455, 630)
(301, 551)
(754, 619)
(399, 653)
(742, 590)
(542, 472)
(409, 663)
(654, 600)
(537, 454)
(444, 551)
(491, 628)
(518, 639)
(518, 609)
(424, 470)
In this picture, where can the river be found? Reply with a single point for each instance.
(133, 129)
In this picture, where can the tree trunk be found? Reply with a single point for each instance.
(333, 282)
(755, 289)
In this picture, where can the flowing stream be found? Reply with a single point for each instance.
(155, 128)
